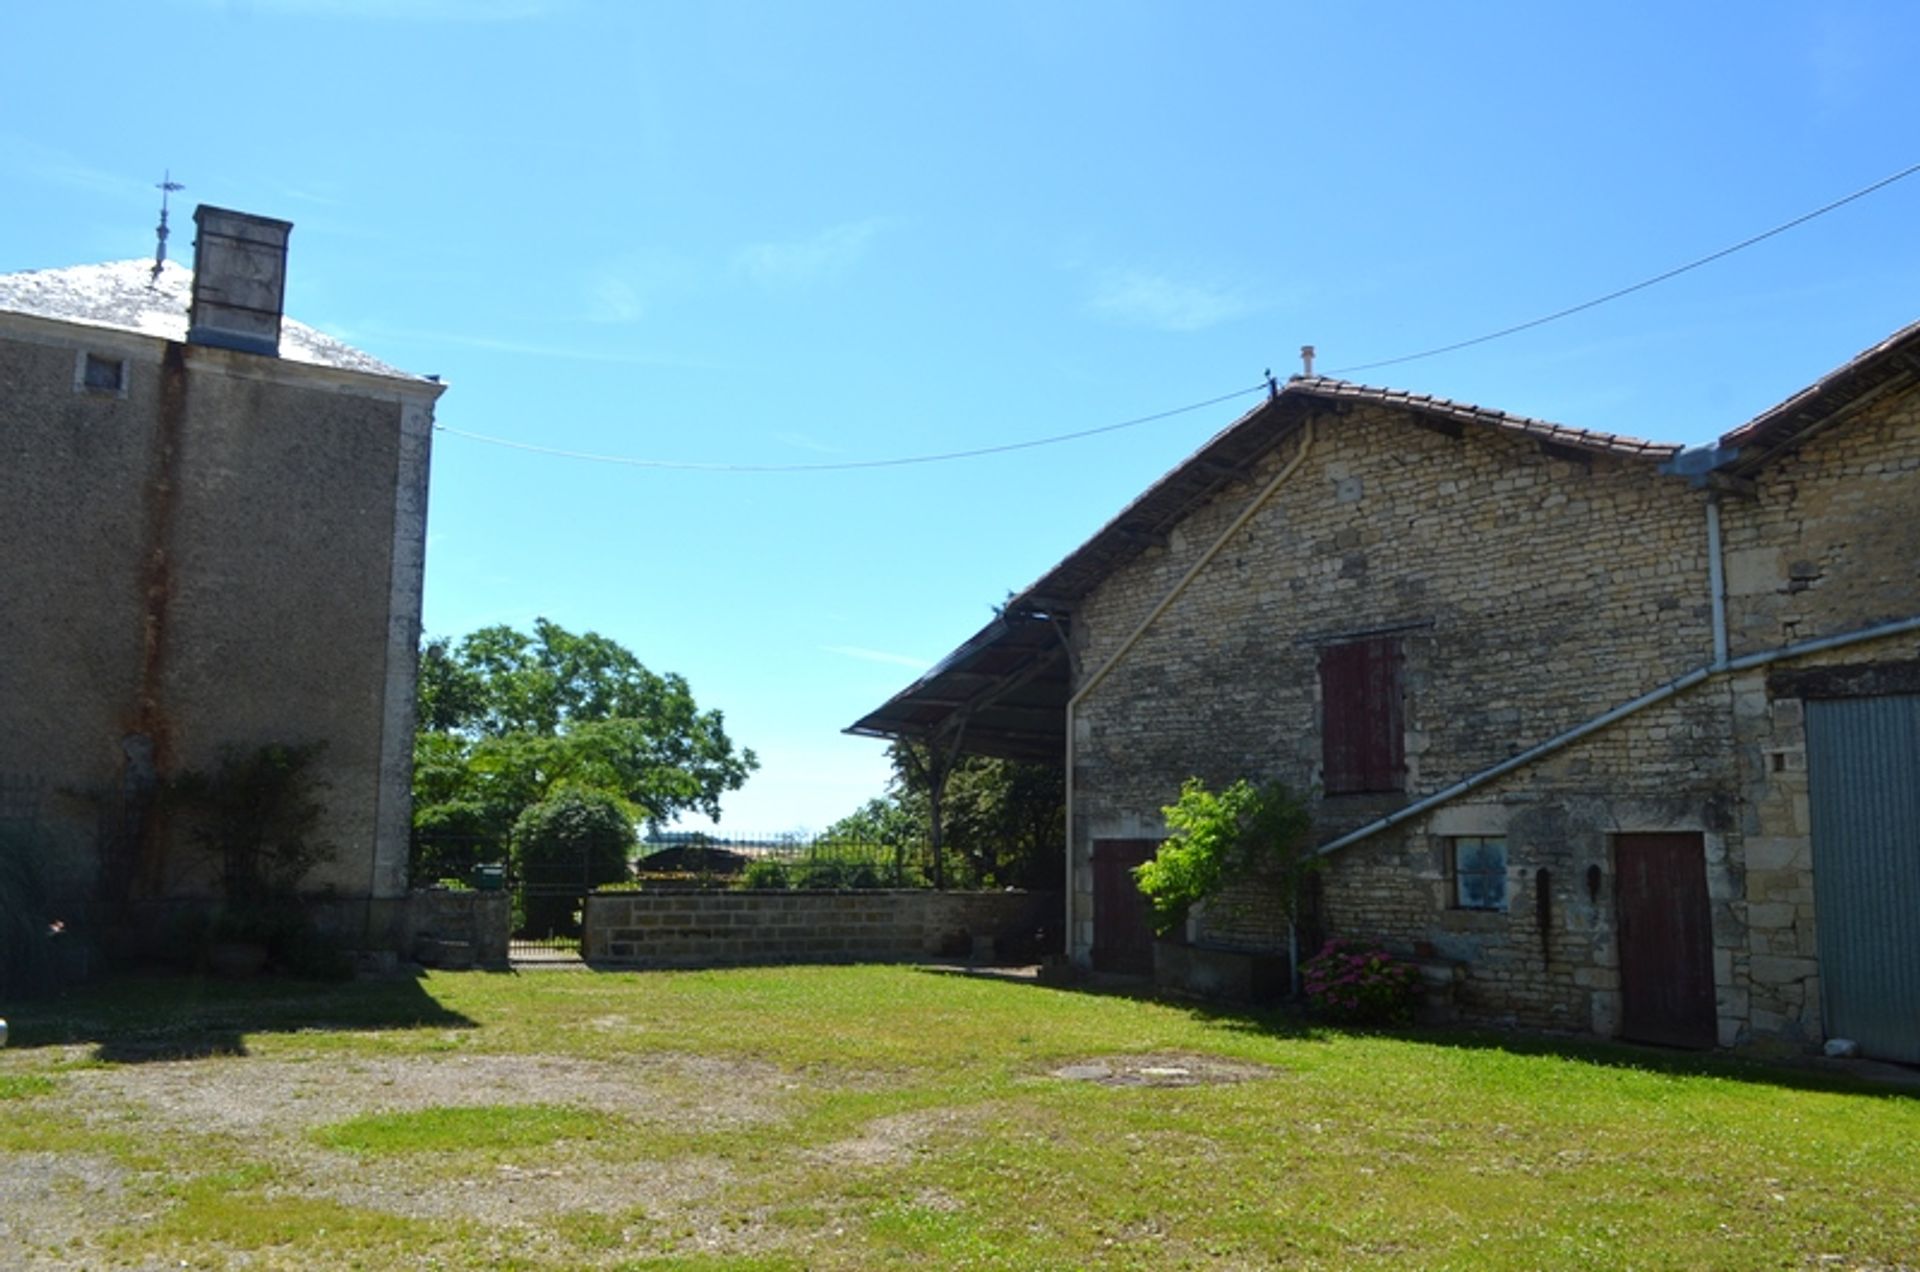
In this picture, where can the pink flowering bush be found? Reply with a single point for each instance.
(1359, 983)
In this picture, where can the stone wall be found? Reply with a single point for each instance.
(1829, 542)
(482, 922)
(692, 928)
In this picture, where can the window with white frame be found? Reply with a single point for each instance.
(1478, 866)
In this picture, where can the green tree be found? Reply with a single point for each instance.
(508, 719)
(1003, 822)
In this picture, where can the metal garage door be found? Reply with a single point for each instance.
(1863, 760)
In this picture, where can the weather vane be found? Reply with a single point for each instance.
(166, 187)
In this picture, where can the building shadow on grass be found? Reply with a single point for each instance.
(142, 1018)
(1800, 1073)
(1292, 1024)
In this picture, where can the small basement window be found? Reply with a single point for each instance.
(1478, 864)
(98, 373)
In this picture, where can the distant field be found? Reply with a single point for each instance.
(862, 1117)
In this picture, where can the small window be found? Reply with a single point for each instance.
(1479, 869)
(98, 373)
(1361, 730)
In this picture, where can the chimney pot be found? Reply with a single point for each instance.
(239, 280)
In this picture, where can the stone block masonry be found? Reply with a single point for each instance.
(692, 928)
(1525, 590)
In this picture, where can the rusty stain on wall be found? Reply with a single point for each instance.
(146, 815)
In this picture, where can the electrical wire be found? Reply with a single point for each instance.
(1642, 285)
(978, 451)
(846, 465)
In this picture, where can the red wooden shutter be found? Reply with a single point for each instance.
(1361, 723)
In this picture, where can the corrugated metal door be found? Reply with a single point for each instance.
(1122, 926)
(1665, 924)
(1863, 761)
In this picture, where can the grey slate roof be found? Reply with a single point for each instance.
(123, 295)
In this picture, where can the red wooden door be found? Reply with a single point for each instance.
(1665, 933)
(1122, 928)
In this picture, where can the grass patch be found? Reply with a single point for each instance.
(24, 1086)
(874, 1117)
(463, 1129)
(234, 1213)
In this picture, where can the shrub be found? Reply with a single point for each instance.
(573, 841)
(1257, 834)
(1357, 982)
(765, 872)
(257, 815)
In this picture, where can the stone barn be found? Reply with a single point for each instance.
(1624, 739)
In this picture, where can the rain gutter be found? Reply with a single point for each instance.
(1652, 697)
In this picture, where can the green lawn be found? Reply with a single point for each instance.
(895, 1117)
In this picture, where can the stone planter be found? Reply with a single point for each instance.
(1219, 975)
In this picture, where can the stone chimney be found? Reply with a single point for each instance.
(239, 280)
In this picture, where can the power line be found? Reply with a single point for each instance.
(845, 465)
(976, 452)
(1642, 285)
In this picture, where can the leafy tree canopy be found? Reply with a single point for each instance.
(508, 719)
(1004, 821)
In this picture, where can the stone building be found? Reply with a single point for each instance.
(212, 529)
(1624, 738)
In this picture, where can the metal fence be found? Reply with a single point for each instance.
(700, 860)
(706, 860)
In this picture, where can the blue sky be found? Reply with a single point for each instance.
(788, 234)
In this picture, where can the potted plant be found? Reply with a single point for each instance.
(1250, 843)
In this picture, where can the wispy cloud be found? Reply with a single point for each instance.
(521, 348)
(396, 10)
(799, 262)
(1145, 299)
(878, 656)
(1841, 60)
(306, 194)
(629, 287)
(43, 163)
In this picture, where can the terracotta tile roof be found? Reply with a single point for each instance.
(1023, 635)
(1029, 723)
(1892, 364)
(1427, 404)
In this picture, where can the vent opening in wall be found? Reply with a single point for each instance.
(98, 373)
